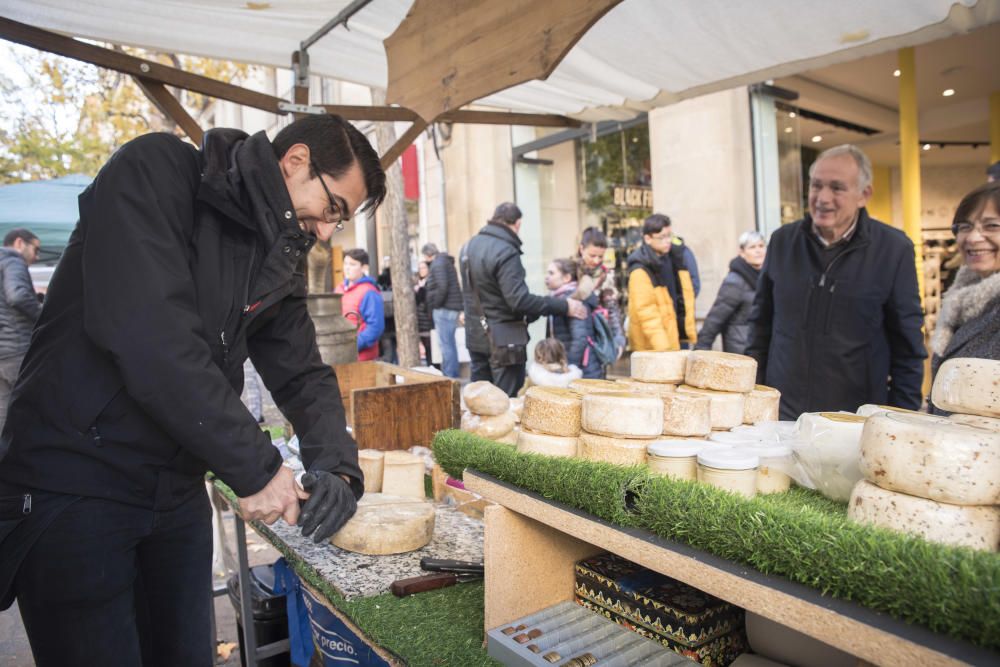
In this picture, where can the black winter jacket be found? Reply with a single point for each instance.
(182, 264)
(425, 321)
(19, 306)
(492, 259)
(443, 289)
(835, 336)
(730, 314)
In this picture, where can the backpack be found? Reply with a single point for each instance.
(603, 341)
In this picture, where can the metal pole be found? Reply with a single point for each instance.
(246, 601)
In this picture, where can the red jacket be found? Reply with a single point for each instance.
(362, 305)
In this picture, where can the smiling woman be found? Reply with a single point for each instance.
(969, 322)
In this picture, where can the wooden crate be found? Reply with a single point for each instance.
(391, 407)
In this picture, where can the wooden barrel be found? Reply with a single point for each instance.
(336, 337)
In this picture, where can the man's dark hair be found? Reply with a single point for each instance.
(654, 224)
(506, 213)
(429, 250)
(593, 236)
(334, 145)
(358, 255)
(993, 171)
(20, 233)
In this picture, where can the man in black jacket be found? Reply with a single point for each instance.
(184, 262)
(498, 304)
(19, 308)
(444, 299)
(836, 320)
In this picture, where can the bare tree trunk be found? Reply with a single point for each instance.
(394, 209)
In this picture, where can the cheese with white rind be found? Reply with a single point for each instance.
(488, 426)
(726, 410)
(529, 442)
(586, 386)
(623, 414)
(977, 527)
(659, 366)
(932, 457)
(403, 474)
(387, 525)
(623, 451)
(968, 386)
(510, 438)
(642, 387)
(761, 405)
(721, 371)
(371, 462)
(483, 398)
(687, 414)
(990, 423)
(869, 409)
(552, 410)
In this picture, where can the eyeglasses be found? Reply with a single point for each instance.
(986, 227)
(334, 213)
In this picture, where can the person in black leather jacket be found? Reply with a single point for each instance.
(184, 262)
(731, 311)
(19, 308)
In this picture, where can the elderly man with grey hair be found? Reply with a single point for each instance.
(836, 320)
(730, 314)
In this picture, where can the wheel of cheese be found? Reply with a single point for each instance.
(642, 387)
(687, 414)
(932, 457)
(990, 423)
(623, 451)
(623, 414)
(869, 409)
(969, 386)
(403, 474)
(727, 407)
(483, 398)
(488, 426)
(552, 410)
(761, 405)
(721, 371)
(371, 462)
(830, 451)
(957, 525)
(529, 442)
(583, 387)
(659, 366)
(387, 525)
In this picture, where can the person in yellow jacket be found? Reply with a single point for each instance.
(659, 297)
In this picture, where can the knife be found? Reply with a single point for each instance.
(429, 582)
(454, 566)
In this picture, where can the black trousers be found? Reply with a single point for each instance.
(113, 584)
(508, 378)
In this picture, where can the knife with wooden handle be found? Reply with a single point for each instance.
(428, 582)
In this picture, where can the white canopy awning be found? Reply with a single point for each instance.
(641, 54)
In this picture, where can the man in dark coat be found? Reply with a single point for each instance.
(184, 262)
(444, 300)
(497, 299)
(19, 308)
(836, 318)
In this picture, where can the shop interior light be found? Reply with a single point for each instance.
(791, 114)
(927, 147)
(788, 130)
(948, 92)
(816, 139)
(896, 73)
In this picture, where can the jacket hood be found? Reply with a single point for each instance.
(645, 257)
(7, 253)
(966, 299)
(242, 180)
(742, 268)
(362, 280)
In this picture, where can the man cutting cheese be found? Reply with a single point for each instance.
(184, 263)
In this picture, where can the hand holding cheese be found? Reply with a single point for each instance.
(331, 503)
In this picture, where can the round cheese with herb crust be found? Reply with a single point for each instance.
(624, 414)
(721, 371)
(552, 410)
(530, 442)
(659, 366)
(968, 386)
(977, 527)
(623, 451)
(761, 405)
(726, 409)
(932, 457)
(989, 423)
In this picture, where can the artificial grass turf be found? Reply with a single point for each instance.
(442, 627)
(798, 535)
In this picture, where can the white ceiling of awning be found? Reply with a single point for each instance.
(642, 54)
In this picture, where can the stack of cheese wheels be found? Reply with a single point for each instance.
(968, 386)
(584, 387)
(726, 379)
(932, 477)
(550, 422)
(488, 412)
(762, 405)
(660, 367)
(659, 373)
(619, 426)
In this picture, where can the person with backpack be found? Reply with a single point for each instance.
(576, 335)
(593, 278)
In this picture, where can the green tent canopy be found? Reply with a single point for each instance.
(48, 208)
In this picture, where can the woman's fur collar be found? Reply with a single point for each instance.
(965, 300)
(543, 377)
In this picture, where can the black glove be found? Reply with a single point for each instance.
(331, 503)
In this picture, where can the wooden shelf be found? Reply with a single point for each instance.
(531, 544)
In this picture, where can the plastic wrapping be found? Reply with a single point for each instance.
(488, 426)
(827, 449)
(483, 398)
